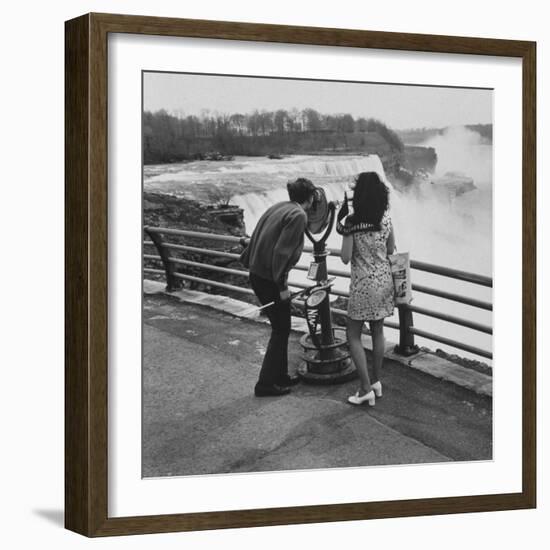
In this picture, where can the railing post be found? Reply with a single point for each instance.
(406, 344)
(172, 282)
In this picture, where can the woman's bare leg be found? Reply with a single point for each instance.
(358, 353)
(378, 345)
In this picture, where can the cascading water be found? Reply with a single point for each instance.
(332, 174)
(453, 231)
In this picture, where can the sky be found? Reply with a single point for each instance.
(398, 106)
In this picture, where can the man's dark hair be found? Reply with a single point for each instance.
(300, 190)
(370, 199)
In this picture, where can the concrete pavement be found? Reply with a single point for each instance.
(201, 417)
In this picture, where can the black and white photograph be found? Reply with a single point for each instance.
(317, 274)
(274, 275)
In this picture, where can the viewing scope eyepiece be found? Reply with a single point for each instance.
(319, 214)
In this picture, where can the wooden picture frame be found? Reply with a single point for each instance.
(86, 230)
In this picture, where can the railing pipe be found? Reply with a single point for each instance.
(453, 297)
(451, 319)
(196, 234)
(337, 273)
(152, 270)
(452, 343)
(171, 282)
(214, 283)
(452, 273)
(210, 267)
(407, 330)
(206, 251)
(474, 278)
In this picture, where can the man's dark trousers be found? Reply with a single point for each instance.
(275, 364)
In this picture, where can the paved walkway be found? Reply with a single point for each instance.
(201, 417)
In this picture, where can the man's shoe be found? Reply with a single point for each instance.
(290, 380)
(270, 391)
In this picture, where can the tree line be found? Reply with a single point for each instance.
(484, 130)
(168, 136)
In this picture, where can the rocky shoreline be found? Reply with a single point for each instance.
(472, 364)
(160, 210)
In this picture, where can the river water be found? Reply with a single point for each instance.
(431, 224)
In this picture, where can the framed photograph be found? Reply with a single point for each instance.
(300, 275)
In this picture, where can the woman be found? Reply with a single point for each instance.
(368, 239)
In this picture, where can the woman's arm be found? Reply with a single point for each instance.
(390, 243)
(347, 248)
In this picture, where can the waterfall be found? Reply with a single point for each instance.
(323, 166)
(333, 174)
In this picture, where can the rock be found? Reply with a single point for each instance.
(417, 158)
(453, 183)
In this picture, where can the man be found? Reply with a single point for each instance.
(274, 249)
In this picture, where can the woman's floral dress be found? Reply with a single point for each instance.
(371, 291)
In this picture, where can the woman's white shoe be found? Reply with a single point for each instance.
(368, 397)
(377, 387)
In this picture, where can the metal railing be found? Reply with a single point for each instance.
(406, 328)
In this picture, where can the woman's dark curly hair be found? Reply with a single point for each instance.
(370, 199)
